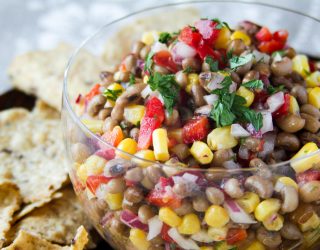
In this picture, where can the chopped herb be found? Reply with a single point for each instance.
(307, 72)
(229, 54)
(237, 61)
(271, 89)
(253, 84)
(280, 53)
(132, 79)
(187, 70)
(164, 37)
(167, 87)
(193, 28)
(213, 64)
(229, 108)
(220, 24)
(148, 63)
(112, 94)
(176, 33)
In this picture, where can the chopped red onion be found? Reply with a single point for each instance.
(261, 57)
(267, 122)
(181, 51)
(157, 46)
(275, 101)
(132, 220)
(238, 131)
(181, 241)
(236, 213)
(155, 226)
(243, 152)
(269, 143)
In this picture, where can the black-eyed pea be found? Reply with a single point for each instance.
(133, 194)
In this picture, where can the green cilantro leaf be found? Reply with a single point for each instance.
(237, 61)
(112, 94)
(253, 84)
(187, 70)
(213, 64)
(148, 63)
(220, 24)
(281, 53)
(193, 28)
(229, 54)
(167, 87)
(274, 89)
(164, 37)
(248, 115)
(132, 79)
(226, 82)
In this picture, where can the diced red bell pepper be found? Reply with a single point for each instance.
(270, 46)
(281, 36)
(204, 50)
(148, 125)
(152, 120)
(263, 35)
(164, 233)
(195, 129)
(235, 235)
(164, 59)
(284, 109)
(94, 181)
(155, 109)
(161, 196)
(190, 37)
(113, 137)
(93, 92)
(309, 175)
(207, 28)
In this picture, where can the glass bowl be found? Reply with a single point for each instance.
(137, 179)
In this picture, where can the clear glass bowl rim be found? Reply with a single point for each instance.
(84, 128)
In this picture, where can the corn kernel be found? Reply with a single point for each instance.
(206, 248)
(176, 134)
(95, 126)
(312, 223)
(274, 222)
(201, 152)
(114, 201)
(256, 245)
(249, 201)
(293, 105)
(314, 97)
(95, 165)
(241, 35)
(300, 64)
(221, 138)
(218, 233)
(134, 113)
(266, 208)
(285, 181)
(144, 154)
(127, 145)
(216, 216)
(190, 224)
(116, 86)
(192, 79)
(223, 38)
(168, 216)
(150, 37)
(82, 173)
(246, 94)
(160, 144)
(307, 163)
(139, 239)
(313, 80)
(145, 79)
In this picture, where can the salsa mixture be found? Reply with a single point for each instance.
(208, 112)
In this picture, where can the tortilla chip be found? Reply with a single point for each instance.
(27, 241)
(43, 110)
(55, 222)
(10, 202)
(32, 206)
(32, 150)
(125, 36)
(41, 73)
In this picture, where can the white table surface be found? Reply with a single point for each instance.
(41, 24)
